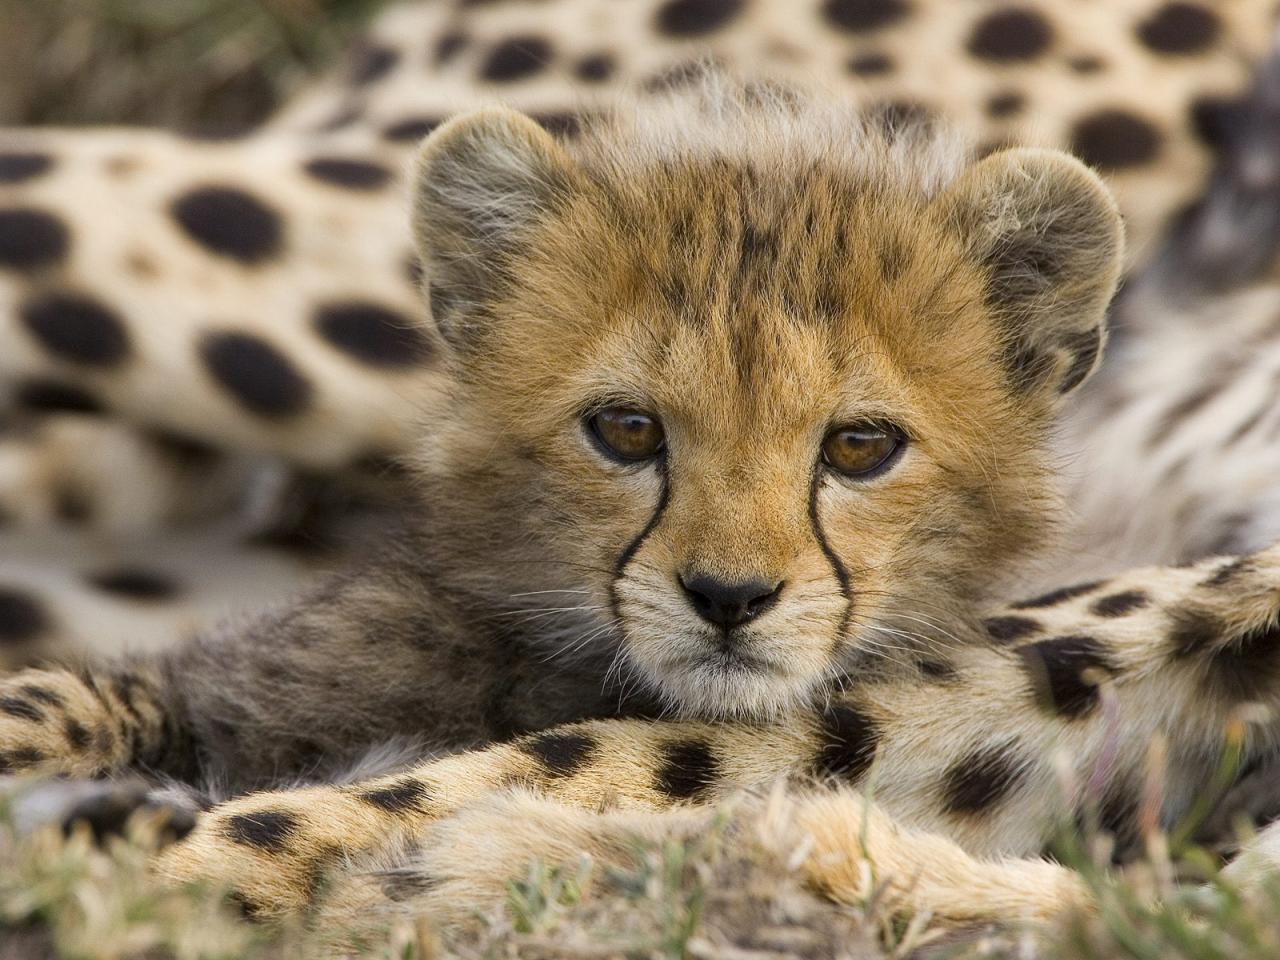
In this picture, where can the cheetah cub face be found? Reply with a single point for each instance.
(769, 389)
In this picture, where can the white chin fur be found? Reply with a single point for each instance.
(737, 692)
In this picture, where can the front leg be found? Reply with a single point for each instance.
(82, 724)
(276, 850)
(273, 849)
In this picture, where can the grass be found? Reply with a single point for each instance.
(726, 895)
(207, 66)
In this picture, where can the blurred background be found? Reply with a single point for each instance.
(209, 67)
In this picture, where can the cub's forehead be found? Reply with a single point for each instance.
(747, 275)
(712, 241)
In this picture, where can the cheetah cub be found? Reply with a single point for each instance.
(748, 402)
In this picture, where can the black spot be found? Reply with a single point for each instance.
(695, 18)
(895, 115)
(409, 129)
(980, 779)
(104, 741)
(870, 65)
(515, 59)
(847, 745)
(230, 222)
(184, 451)
(1005, 104)
(245, 908)
(371, 62)
(76, 328)
(405, 883)
(1010, 629)
(373, 334)
(677, 76)
(1179, 28)
(30, 239)
(267, 830)
(1057, 669)
(135, 583)
(442, 301)
(562, 754)
(1228, 572)
(1083, 348)
(16, 167)
(938, 671)
(404, 796)
(688, 770)
(1181, 410)
(563, 125)
(72, 506)
(123, 686)
(863, 15)
(1241, 665)
(343, 118)
(1247, 425)
(52, 396)
(383, 465)
(894, 257)
(22, 709)
(345, 172)
(413, 270)
(1220, 121)
(1118, 816)
(1118, 604)
(1114, 813)
(258, 375)
(1114, 139)
(43, 695)
(1008, 36)
(76, 734)
(19, 759)
(1086, 64)
(595, 69)
(108, 811)
(1055, 597)
(450, 45)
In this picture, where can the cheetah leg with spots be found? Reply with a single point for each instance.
(995, 753)
(276, 849)
(84, 724)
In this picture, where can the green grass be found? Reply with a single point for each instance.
(723, 896)
(212, 66)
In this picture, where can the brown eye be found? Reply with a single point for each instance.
(627, 434)
(860, 451)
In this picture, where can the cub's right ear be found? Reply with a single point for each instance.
(1048, 234)
(483, 180)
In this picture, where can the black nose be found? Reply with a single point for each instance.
(730, 604)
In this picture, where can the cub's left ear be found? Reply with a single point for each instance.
(484, 181)
(1050, 238)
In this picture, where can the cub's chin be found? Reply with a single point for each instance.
(723, 684)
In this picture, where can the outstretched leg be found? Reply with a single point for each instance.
(993, 746)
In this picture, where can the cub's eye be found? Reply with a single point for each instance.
(860, 451)
(627, 434)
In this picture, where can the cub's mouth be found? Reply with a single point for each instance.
(725, 680)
